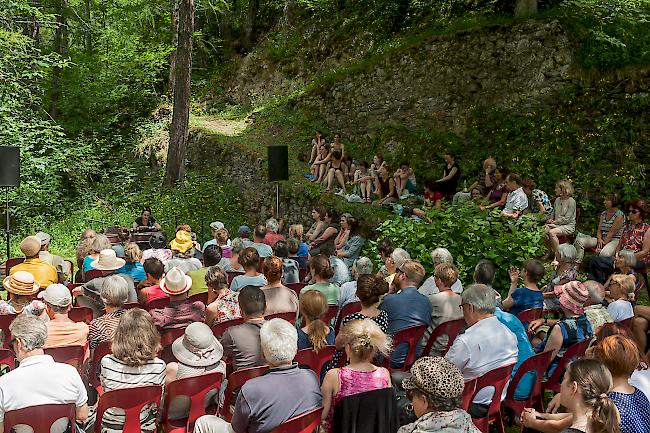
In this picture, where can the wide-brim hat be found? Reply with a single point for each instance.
(175, 282)
(198, 347)
(21, 283)
(435, 376)
(182, 242)
(30, 246)
(572, 296)
(107, 261)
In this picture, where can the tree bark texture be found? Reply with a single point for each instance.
(173, 4)
(178, 130)
(251, 24)
(60, 47)
(525, 7)
(89, 30)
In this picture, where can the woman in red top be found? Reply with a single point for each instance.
(635, 238)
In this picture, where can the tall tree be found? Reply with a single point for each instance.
(250, 31)
(178, 130)
(173, 4)
(88, 29)
(60, 47)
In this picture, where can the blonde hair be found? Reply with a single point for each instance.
(365, 338)
(136, 339)
(132, 252)
(446, 273)
(221, 236)
(297, 230)
(313, 305)
(627, 282)
(565, 186)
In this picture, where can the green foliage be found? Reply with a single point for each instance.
(470, 235)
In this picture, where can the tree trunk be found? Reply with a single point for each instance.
(178, 130)
(173, 4)
(32, 28)
(60, 42)
(89, 30)
(525, 7)
(251, 24)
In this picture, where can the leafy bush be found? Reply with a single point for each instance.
(470, 235)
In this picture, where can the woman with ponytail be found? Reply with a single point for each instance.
(321, 271)
(315, 333)
(363, 339)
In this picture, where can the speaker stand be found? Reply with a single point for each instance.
(7, 228)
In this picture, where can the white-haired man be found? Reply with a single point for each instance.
(267, 401)
(361, 266)
(429, 287)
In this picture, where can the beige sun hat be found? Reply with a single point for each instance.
(198, 347)
(107, 261)
(21, 283)
(30, 246)
(175, 282)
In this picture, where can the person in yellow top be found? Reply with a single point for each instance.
(44, 273)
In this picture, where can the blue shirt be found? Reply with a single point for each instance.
(303, 250)
(405, 309)
(304, 343)
(135, 270)
(241, 281)
(634, 409)
(525, 299)
(525, 351)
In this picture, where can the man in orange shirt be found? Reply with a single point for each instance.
(61, 331)
(44, 273)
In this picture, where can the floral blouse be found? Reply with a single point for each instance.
(35, 307)
(227, 306)
(632, 238)
(539, 195)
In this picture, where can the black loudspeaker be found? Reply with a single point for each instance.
(278, 163)
(9, 166)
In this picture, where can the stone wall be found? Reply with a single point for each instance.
(437, 82)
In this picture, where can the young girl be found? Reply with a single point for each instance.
(314, 333)
(319, 166)
(563, 220)
(528, 296)
(295, 231)
(222, 240)
(336, 170)
(565, 272)
(362, 340)
(363, 180)
(316, 142)
(321, 272)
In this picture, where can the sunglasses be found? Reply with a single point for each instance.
(635, 211)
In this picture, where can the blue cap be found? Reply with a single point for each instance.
(243, 230)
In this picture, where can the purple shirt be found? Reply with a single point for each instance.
(178, 314)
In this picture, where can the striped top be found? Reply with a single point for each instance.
(115, 374)
(607, 223)
(103, 328)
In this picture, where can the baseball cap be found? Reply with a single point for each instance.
(216, 225)
(56, 294)
(243, 230)
(44, 237)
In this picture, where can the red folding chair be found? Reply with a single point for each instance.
(10, 263)
(305, 423)
(7, 358)
(497, 378)
(296, 287)
(131, 401)
(235, 381)
(201, 297)
(81, 314)
(73, 355)
(349, 308)
(289, 316)
(102, 349)
(41, 417)
(231, 276)
(130, 305)
(468, 394)
(315, 360)
(156, 303)
(95, 273)
(573, 352)
(167, 337)
(332, 309)
(411, 335)
(219, 328)
(5, 321)
(451, 329)
(530, 314)
(536, 364)
(196, 388)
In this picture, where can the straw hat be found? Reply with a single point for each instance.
(175, 282)
(435, 376)
(198, 347)
(21, 283)
(107, 261)
(182, 242)
(30, 246)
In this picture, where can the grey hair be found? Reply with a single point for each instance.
(481, 297)
(596, 291)
(100, 242)
(363, 265)
(628, 257)
(399, 256)
(237, 245)
(568, 253)
(272, 225)
(184, 255)
(30, 330)
(114, 291)
(279, 341)
(441, 255)
(216, 277)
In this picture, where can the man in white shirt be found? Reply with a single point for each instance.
(429, 287)
(517, 200)
(486, 345)
(39, 380)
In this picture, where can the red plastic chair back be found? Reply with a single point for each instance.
(349, 308)
(529, 315)
(537, 364)
(305, 423)
(232, 275)
(5, 321)
(451, 329)
(332, 309)
(196, 388)
(315, 360)
(468, 394)
(7, 358)
(497, 378)
(235, 381)
(10, 263)
(41, 417)
(219, 328)
(411, 335)
(202, 297)
(95, 273)
(156, 303)
(81, 314)
(167, 337)
(289, 316)
(574, 351)
(73, 355)
(296, 287)
(102, 349)
(131, 401)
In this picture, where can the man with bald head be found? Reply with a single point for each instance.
(596, 312)
(483, 183)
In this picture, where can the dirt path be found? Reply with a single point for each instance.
(230, 128)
